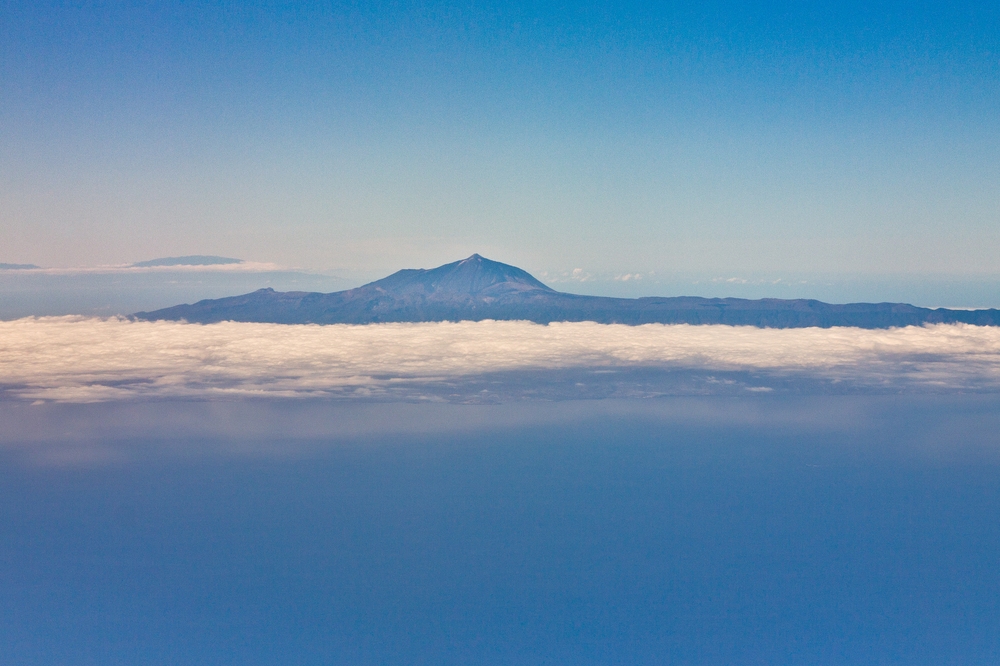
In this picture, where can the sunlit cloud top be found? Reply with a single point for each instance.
(74, 359)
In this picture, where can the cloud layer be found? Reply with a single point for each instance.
(75, 359)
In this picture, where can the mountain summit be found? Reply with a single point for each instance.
(192, 260)
(476, 277)
(478, 288)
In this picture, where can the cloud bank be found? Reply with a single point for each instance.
(77, 359)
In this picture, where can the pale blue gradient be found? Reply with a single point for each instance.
(826, 530)
(724, 138)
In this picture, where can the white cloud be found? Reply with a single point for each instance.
(575, 275)
(76, 359)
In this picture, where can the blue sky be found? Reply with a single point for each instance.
(709, 137)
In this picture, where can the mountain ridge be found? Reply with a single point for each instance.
(190, 260)
(477, 288)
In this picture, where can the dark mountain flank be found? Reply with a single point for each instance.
(477, 288)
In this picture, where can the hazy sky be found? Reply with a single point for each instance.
(710, 136)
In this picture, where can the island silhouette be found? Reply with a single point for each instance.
(477, 288)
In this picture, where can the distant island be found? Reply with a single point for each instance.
(478, 288)
(17, 267)
(193, 260)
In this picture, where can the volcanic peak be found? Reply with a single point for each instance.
(472, 276)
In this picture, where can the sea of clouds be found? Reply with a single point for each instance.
(80, 359)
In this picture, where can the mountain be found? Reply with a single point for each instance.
(477, 288)
(17, 267)
(193, 260)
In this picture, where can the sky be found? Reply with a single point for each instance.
(711, 137)
(464, 492)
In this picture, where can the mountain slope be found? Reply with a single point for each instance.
(193, 260)
(478, 288)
